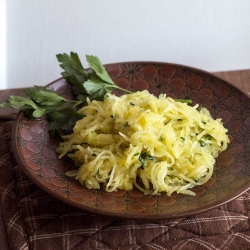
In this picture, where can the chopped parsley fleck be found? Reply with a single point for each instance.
(126, 125)
(144, 157)
(202, 143)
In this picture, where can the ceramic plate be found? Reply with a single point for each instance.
(35, 150)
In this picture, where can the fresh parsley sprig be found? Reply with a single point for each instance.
(61, 113)
(74, 74)
(99, 82)
(38, 101)
(93, 83)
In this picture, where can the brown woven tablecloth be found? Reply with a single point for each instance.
(35, 220)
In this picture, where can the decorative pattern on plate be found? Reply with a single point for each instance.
(35, 149)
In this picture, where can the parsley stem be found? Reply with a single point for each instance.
(184, 100)
(125, 90)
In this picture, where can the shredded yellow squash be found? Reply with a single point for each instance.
(155, 144)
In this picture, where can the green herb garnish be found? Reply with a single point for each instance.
(99, 82)
(126, 125)
(143, 157)
(60, 112)
(93, 83)
(202, 143)
(188, 101)
(74, 74)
